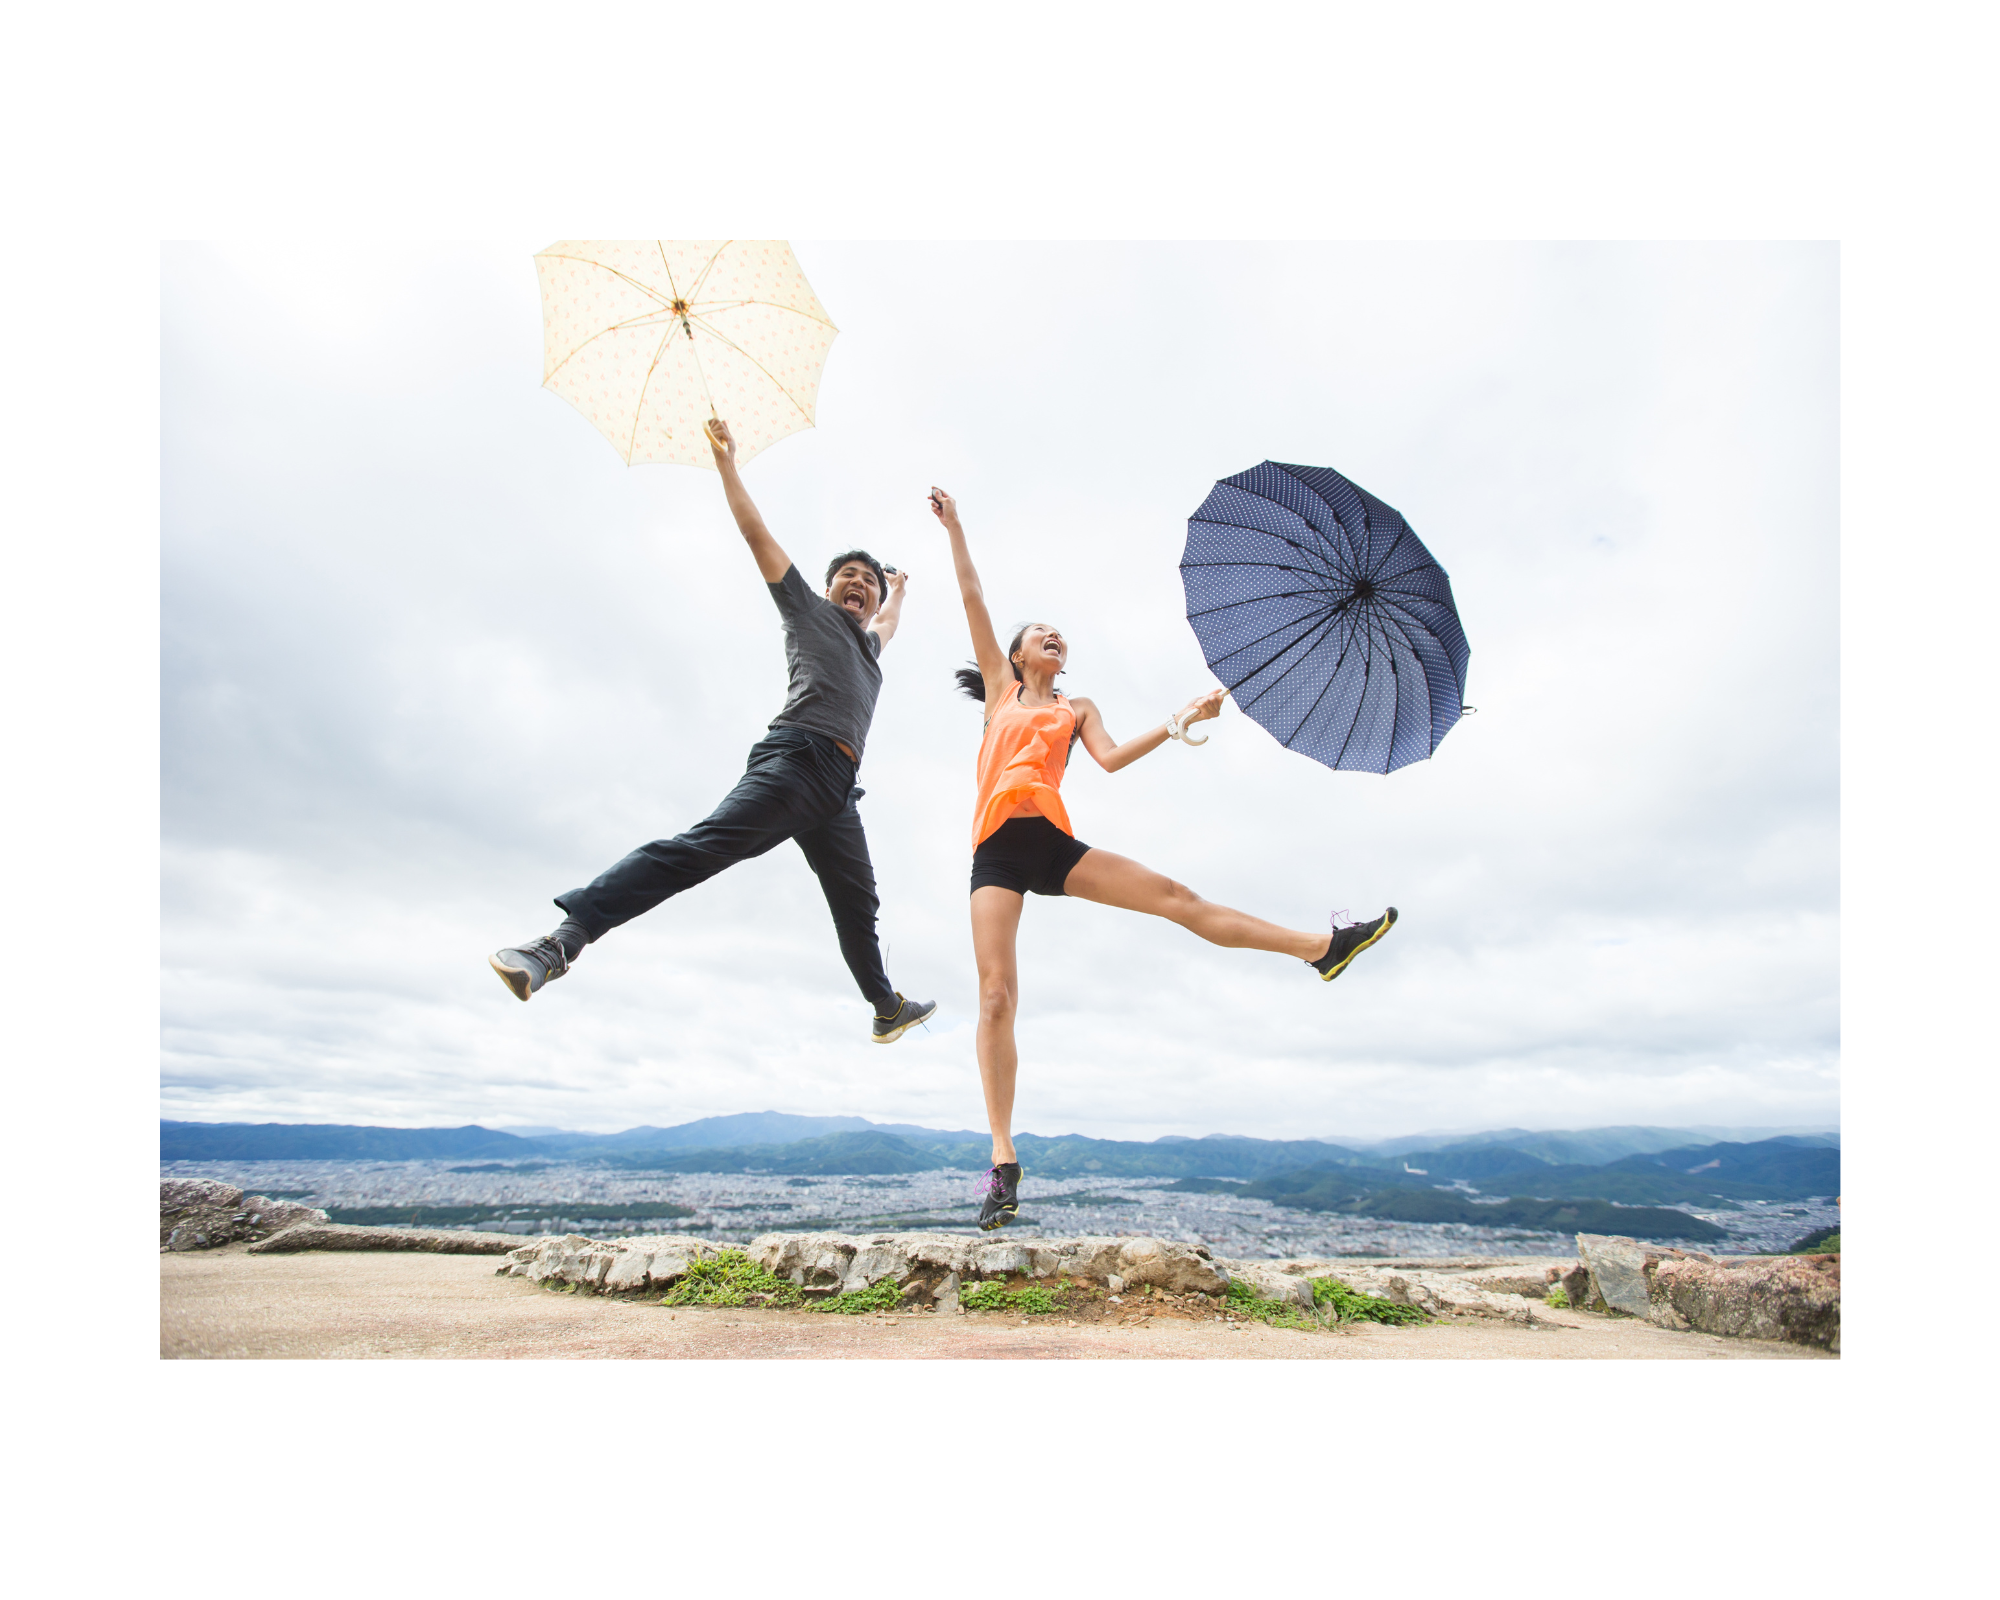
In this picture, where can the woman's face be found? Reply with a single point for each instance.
(1042, 646)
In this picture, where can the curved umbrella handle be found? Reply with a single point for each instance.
(1176, 730)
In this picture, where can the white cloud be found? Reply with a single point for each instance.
(432, 654)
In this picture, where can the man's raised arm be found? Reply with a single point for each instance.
(890, 615)
(771, 559)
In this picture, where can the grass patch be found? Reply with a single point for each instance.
(1350, 1305)
(881, 1296)
(731, 1278)
(1245, 1302)
(1333, 1302)
(1557, 1298)
(1034, 1300)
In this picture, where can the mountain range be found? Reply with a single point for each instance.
(1624, 1166)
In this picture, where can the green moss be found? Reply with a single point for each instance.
(1557, 1297)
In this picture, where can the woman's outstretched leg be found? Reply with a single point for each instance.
(1114, 880)
(996, 917)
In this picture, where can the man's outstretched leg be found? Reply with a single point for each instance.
(837, 851)
(787, 785)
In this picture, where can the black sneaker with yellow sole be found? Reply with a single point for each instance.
(1348, 943)
(1001, 1200)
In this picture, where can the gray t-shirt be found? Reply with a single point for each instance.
(833, 664)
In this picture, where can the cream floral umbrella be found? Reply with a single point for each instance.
(649, 338)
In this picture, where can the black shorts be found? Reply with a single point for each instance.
(1029, 855)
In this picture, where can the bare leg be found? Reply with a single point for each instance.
(996, 916)
(1113, 880)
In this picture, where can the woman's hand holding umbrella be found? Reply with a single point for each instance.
(1199, 709)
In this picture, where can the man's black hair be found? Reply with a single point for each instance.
(881, 577)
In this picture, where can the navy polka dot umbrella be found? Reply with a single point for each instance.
(1325, 616)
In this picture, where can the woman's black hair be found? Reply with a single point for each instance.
(972, 682)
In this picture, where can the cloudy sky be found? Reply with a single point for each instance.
(433, 654)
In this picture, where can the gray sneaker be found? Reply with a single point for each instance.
(907, 1015)
(525, 968)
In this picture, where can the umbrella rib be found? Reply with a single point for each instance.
(1360, 701)
(1396, 713)
(707, 267)
(1396, 615)
(1325, 627)
(1322, 499)
(643, 288)
(1216, 522)
(639, 409)
(1409, 644)
(752, 300)
(673, 289)
(616, 327)
(1256, 599)
(1331, 678)
(1294, 622)
(747, 356)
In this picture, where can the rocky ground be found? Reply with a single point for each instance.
(1089, 1284)
(229, 1304)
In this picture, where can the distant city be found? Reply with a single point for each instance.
(1507, 1192)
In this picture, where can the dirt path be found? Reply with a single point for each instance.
(231, 1305)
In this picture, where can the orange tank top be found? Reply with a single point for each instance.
(1022, 758)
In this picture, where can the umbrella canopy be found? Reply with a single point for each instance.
(1326, 617)
(649, 338)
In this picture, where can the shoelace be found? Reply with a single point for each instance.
(1342, 921)
(996, 1186)
(549, 951)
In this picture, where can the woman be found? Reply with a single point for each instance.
(1023, 843)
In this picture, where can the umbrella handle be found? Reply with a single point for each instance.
(1175, 730)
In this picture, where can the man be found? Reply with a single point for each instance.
(798, 783)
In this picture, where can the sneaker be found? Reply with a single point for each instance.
(1349, 942)
(1001, 1198)
(525, 968)
(907, 1015)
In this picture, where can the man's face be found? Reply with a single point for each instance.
(855, 589)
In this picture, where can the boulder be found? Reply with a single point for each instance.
(609, 1266)
(1618, 1270)
(302, 1236)
(1446, 1294)
(1793, 1298)
(204, 1214)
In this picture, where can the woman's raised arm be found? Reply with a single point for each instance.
(985, 645)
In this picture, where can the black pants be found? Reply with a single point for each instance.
(796, 785)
